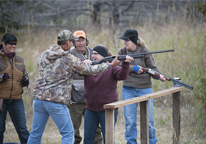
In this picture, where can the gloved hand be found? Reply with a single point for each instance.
(24, 81)
(5, 76)
(137, 69)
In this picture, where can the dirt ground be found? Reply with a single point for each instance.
(163, 126)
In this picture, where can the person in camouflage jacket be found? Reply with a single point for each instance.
(52, 91)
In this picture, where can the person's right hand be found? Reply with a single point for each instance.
(115, 61)
(129, 59)
(138, 69)
(5, 76)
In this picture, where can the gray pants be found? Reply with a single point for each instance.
(77, 112)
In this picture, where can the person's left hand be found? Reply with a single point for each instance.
(129, 59)
(24, 81)
(162, 78)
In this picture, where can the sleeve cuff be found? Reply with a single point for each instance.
(136, 68)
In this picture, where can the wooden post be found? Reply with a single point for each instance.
(176, 117)
(144, 126)
(109, 126)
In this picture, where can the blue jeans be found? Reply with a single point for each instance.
(17, 114)
(130, 114)
(91, 121)
(60, 115)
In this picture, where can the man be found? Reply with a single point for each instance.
(52, 91)
(77, 108)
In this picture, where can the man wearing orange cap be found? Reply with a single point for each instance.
(77, 108)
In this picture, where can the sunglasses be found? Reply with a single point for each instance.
(12, 43)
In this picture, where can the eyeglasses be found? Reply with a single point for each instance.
(127, 40)
(94, 53)
(12, 43)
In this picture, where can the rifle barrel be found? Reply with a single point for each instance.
(123, 57)
(153, 72)
(181, 83)
(158, 52)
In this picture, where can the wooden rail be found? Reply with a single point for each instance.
(144, 129)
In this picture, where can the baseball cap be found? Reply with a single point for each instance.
(80, 33)
(66, 35)
(130, 34)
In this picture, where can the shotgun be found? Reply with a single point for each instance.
(123, 57)
(153, 72)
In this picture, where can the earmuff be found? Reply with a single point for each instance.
(87, 42)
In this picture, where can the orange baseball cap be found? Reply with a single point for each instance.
(80, 33)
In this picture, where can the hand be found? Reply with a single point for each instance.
(5, 76)
(162, 78)
(129, 59)
(138, 69)
(88, 61)
(115, 61)
(24, 81)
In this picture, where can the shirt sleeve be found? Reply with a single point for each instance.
(121, 73)
(82, 68)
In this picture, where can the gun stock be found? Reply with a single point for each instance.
(153, 72)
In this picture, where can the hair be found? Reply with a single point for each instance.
(107, 49)
(8, 37)
(61, 42)
(141, 42)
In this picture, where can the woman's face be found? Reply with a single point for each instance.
(9, 48)
(129, 44)
(96, 56)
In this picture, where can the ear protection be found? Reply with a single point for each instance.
(87, 42)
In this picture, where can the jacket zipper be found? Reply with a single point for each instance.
(11, 62)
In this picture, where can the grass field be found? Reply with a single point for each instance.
(188, 62)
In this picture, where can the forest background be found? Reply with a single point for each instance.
(163, 24)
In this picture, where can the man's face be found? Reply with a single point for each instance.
(81, 44)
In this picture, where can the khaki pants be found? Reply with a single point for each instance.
(77, 112)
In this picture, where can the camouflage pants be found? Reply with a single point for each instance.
(77, 111)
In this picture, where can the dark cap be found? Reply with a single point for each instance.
(130, 34)
(101, 50)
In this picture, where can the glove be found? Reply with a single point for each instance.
(136, 68)
(24, 81)
(5, 76)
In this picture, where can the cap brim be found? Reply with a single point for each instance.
(75, 38)
(123, 37)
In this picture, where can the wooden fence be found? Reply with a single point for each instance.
(144, 129)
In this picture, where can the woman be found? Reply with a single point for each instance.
(13, 76)
(100, 90)
(137, 84)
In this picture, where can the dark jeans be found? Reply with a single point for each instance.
(77, 111)
(91, 120)
(17, 114)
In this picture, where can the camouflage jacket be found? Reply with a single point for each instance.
(55, 74)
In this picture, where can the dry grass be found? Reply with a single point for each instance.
(188, 62)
